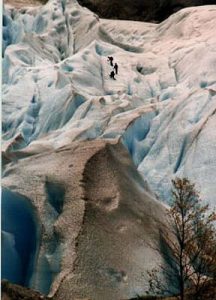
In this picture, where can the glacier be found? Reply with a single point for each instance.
(58, 100)
(63, 61)
(19, 237)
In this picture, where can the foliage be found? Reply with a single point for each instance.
(189, 248)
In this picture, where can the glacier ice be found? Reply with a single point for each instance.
(19, 238)
(166, 71)
(57, 91)
(94, 214)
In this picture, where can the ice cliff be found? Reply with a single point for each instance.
(85, 155)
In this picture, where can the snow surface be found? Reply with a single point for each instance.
(56, 88)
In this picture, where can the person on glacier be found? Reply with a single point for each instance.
(110, 59)
(112, 75)
(116, 68)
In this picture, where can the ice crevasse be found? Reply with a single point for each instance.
(59, 51)
(57, 90)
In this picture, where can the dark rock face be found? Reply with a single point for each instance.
(11, 291)
(140, 10)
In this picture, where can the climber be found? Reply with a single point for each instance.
(110, 59)
(116, 68)
(112, 75)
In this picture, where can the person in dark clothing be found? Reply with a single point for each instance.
(110, 59)
(112, 75)
(116, 68)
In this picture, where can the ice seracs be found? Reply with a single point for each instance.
(58, 99)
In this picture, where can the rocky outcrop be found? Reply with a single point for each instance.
(141, 10)
(11, 291)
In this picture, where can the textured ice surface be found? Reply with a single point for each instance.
(56, 88)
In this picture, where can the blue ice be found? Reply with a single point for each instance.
(19, 238)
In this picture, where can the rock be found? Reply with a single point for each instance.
(11, 291)
(85, 156)
(142, 10)
(97, 223)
